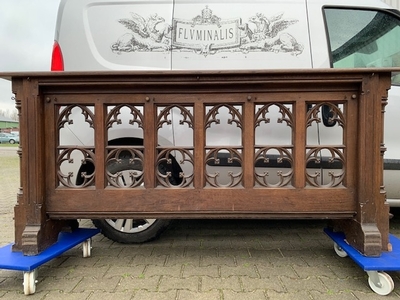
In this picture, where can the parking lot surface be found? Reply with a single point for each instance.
(194, 259)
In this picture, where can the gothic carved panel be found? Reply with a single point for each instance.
(325, 166)
(175, 167)
(175, 152)
(76, 167)
(125, 153)
(273, 166)
(273, 163)
(75, 162)
(325, 150)
(224, 155)
(124, 167)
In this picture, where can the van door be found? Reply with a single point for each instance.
(366, 37)
(360, 38)
(241, 34)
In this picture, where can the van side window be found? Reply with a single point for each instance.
(363, 39)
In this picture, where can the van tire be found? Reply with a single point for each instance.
(140, 230)
(152, 232)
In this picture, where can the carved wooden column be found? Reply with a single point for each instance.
(368, 232)
(34, 231)
(19, 211)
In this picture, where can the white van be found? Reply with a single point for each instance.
(95, 35)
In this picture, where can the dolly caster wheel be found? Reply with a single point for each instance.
(30, 282)
(380, 282)
(339, 251)
(87, 248)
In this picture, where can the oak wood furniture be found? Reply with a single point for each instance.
(352, 194)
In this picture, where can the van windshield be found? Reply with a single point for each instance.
(363, 39)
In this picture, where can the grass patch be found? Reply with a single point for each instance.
(9, 178)
(8, 164)
(9, 145)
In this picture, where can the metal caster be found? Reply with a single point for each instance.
(30, 282)
(87, 248)
(339, 251)
(380, 282)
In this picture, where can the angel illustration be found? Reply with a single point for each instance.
(268, 35)
(144, 35)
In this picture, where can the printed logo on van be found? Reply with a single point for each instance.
(208, 34)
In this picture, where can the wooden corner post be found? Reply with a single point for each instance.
(34, 230)
(368, 231)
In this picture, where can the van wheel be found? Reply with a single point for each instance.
(126, 231)
(130, 231)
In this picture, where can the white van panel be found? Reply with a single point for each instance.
(393, 3)
(131, 34)
(102, 35)
(183, 34)
(240, 35)
(391, 122)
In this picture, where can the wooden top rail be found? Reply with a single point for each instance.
(246, 144)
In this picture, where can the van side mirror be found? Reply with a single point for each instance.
(328, 116)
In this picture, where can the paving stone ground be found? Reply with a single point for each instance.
(195, 259)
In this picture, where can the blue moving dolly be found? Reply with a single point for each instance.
(28, 264)
(379, 281)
